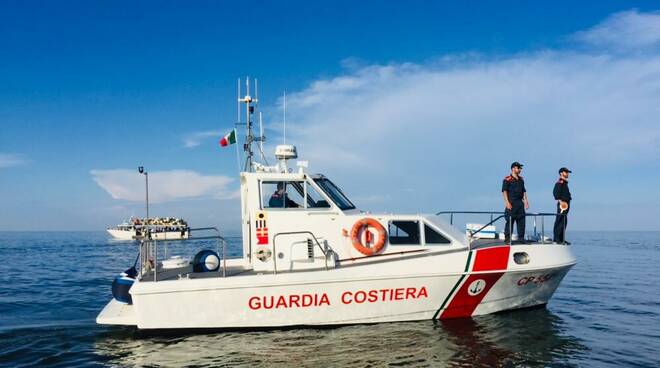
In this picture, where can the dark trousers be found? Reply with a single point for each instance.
(561, 221)
(515, 214)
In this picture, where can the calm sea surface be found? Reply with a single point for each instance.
(606, 313)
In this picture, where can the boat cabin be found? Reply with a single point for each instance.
(298, 221)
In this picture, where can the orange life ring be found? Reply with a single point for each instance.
(363, 225)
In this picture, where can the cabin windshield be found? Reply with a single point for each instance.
(334, 193)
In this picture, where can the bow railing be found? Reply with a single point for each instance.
(500, 215)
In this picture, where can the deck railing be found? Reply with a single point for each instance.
(501, 215)
(149, 249)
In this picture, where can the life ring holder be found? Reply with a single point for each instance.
(362, 225)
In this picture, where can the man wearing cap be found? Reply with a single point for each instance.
(515, 202)
(280, 199)
(563, 196)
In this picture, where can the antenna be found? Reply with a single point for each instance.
(248, 121)
(261, 136)
(284, 116)
(249, 111)
(238, 121)
(238, 102)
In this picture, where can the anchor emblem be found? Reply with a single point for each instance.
(476, 287)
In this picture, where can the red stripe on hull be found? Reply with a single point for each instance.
(471, 293)
(492, 259)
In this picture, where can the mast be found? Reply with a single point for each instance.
(249, 111)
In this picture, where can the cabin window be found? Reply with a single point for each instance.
(291, 194)
(404, 232)
(334, 193)
(433, 237)
(282, 194)
(314, 198)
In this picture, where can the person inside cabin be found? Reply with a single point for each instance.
(515, 203)
(280, 199)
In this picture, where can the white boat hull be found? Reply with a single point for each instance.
(458, 284)
(122, 234)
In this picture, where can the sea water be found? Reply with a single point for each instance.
(605, 313)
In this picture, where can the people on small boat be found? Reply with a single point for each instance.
(515, 202)
(280, 199)
(563, 197)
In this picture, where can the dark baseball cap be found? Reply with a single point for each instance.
(516, 164)
(563, 169)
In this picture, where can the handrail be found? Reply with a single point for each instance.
(452, 213)
(495, 213)
(503, 214)
(325, 254)
(148, 240)
(485, 226)
(468, 212)
(525, 215)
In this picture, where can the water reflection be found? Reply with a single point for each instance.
(531, 338)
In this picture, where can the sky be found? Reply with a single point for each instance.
(412, 107)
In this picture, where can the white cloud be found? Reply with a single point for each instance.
(11, 160)
(624, 31)
(195, 139)
(545, 103)
(429, 126)
(164, 186)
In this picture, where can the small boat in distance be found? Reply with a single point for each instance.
(161, 228)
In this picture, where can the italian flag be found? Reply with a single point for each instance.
(228, 139)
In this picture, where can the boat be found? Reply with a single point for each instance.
(310, 257)
(160, 228)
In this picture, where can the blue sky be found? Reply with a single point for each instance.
(448, 94)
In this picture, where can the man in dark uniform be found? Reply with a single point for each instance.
(280, 199)
(515, 202)
(563, 196)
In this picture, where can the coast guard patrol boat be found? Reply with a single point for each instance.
(310, 257)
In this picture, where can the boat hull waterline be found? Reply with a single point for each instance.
(490, 282)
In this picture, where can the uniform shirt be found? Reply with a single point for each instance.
(278, 200)
(515, 188)
(561, 191)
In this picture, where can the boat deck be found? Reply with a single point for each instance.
(238, 269)
(485, 243)
(188, 273)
